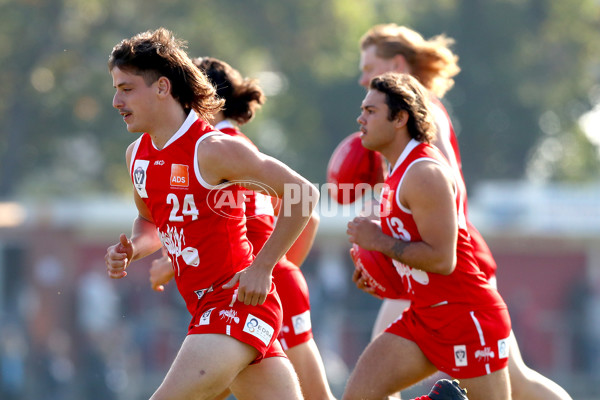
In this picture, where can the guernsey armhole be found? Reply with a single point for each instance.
(199, 178)
(397, 194)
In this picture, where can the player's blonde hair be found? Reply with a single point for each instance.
(430, 61)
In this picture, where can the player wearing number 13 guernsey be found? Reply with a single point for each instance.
(428, 292)
(457, 322)
(185, 174)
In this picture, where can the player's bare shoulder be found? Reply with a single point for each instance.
(129, 152)
(427, 170)
(426, 180)
(220, 147)
(220, 157)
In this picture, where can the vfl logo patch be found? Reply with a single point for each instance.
(460, 355)
(301, 322)
(140, 168)
(205, 318)
(180, 175)
(258, 328)
(503, 348)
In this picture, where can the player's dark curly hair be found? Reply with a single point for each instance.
(404, 92)
(153, 54)
(243, 96)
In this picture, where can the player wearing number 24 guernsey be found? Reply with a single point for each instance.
(187, 178)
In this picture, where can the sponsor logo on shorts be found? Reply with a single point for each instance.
(139, 177)
(503, 348)
(205, 318)
(460, 355)
(258, 328)
(230, 315)
(301, 322)
(485, 354)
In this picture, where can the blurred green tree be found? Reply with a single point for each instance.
(528, 69)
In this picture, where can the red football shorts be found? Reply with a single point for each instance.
(293, 292)
(258, 326)
(463, 344)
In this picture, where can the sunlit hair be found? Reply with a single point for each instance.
(243, 96)
(430, 61)
(404, 92)
(153, 54)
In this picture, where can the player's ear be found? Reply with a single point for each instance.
(163, 85)
(401, 118)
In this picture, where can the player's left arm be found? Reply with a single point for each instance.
(267, 175)
(428, 192)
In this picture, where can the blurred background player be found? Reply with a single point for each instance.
(457, 322)
(181, 168)
(394, 48)
(242, 98)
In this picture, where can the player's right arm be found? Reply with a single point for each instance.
(144, 238)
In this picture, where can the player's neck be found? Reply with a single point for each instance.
(167, 124)
(394, 149)
(218, 117)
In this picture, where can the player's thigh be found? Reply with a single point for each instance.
(516, 366)
(205, 366)
(389, 311)
(271, 379)
(494, 386)
(309, 367)
(389, 364)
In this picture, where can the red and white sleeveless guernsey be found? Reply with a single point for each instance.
(204, 235)
(203, 227)
(451, 316)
